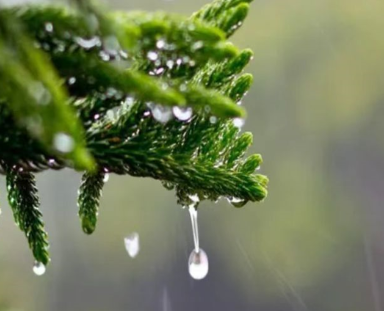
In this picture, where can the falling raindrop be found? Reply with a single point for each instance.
(182, 113)
(38, 268)
(132, 244)
(106, 177)
(198, 260)
(63, 142)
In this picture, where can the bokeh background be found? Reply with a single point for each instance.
(316, 243)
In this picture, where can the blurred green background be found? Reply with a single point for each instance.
(316, 243)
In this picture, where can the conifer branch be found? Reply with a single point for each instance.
(146, 94)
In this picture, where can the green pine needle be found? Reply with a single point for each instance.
(23, 199)
(88, 200)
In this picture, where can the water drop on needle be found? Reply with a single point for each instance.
(182, 114)
(238, 122)
(38, 268)
(63, 142)
(152, 55)
(132, 244)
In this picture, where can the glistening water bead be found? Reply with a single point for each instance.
(198, 265)
(38, 268)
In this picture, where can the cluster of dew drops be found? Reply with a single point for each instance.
(110, 50)
(198, 264)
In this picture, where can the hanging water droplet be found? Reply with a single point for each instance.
(237, 202)
(106, 177)
(182, 113)
(132, 244)
(198, 265)
(38, 268)
(168, 185)
(63, 142)
(198, 260)
(238, 122)
(194, 197)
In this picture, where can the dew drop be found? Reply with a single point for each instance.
(123, 54)
(63, 142)
(38, 268)
(160, 44)
(161, 113)
(238, 122)
(197, 45)
(104, 56)
(198, 265)
(170, 63)
(48, 27)
(152, 55)
(132, 244)
(88, 43)
(168, 185)
(182, 113)
(71, 80)
(111, 45)
(212, 119)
